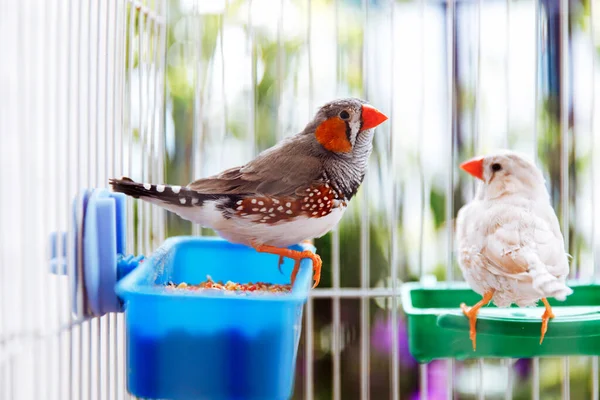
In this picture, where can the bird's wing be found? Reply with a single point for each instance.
(550, 243)
(501, 251)
(282, 170)
(520, 239)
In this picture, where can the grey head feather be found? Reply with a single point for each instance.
(299, 161)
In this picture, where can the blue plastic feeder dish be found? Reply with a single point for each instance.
(210, 344)
(184, 344)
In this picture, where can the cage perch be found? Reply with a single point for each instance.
(438, 328)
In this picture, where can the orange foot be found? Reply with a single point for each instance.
(471, 313)
(295, 255)
(545, 317)
(281, 257)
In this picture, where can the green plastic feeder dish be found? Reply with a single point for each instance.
(438, 329)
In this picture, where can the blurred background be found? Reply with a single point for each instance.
(174, 90)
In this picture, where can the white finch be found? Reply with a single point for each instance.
(510, 246)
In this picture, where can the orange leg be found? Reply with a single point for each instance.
(295, 255)
(545, 317)
(471, 313)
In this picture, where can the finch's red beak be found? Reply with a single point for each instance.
(371, 117)
(474, 167)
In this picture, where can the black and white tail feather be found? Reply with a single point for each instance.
(169, 196)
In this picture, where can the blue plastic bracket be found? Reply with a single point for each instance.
(98, 244)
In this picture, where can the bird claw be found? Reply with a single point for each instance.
(546, 316)
(317, 264)
(280, 264)
(297, 256)
(545, 319)
(471, 314)
(465, 309)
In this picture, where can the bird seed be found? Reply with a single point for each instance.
(231, 287)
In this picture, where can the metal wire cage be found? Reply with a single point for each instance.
(169, 91)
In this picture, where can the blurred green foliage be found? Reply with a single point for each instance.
(186, 85)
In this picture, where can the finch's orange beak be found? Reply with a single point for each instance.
(474, 167)
(371, 117)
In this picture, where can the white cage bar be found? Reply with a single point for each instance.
(163, 90)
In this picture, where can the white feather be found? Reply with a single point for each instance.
(248, 230)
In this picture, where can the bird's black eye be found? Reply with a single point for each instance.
(496, 167)
(344, 115)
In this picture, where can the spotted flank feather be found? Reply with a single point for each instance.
(315, 201)
(175, 195)
(312, 202)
